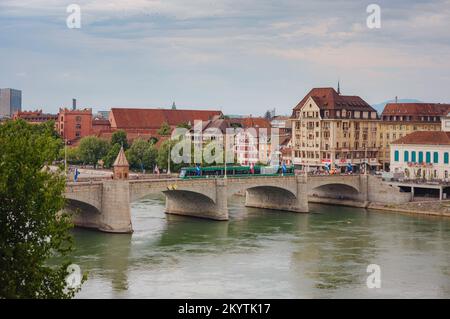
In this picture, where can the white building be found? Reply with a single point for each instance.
(422, 155)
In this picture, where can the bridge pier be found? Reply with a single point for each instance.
(115, 215)
(195, 204)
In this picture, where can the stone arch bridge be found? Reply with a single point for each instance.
(105, 205)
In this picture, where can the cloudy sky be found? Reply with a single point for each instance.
(241, 56)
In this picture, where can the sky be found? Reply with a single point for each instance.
(238, 56)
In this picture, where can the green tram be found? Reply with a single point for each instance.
(234, 171)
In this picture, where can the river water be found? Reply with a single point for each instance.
(267, 254)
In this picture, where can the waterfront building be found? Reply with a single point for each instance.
(331, 128)
(253, 143)
(282, 123)
(251, 137)
(35, 117)
(422, 155)
(401, 119)
(73, 125)
(10, 102)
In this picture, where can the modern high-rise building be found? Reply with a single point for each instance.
(10, 102)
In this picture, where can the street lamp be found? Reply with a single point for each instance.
(65, 157)
(168, 161)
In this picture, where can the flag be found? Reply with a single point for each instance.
(349, 167)
(75, 176)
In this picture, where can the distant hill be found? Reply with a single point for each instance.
(380, 106)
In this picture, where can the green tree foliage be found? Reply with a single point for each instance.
(142, 154)
(163, 153)
(164, 130)
(120, 137)
(31, 228)
(92, 149)
(153, 140)
(111, 156)
(72, 153)
(184, 125)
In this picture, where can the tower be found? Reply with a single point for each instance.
(121, 166)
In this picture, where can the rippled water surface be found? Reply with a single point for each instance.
(267, 254)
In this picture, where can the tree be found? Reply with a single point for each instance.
(153, 140)
(92, 149)
(141, 155)
(32, 229)
(163, 153)
(164, 130)
(120, 137)
(184, 125)
(111, 156)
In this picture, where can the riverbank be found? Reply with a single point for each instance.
(430, 208)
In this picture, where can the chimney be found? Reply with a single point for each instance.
(74, 104)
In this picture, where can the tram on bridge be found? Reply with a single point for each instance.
(236, 171)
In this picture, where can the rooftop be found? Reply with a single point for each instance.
(121, 159)
(329, 99)
(425, 138)
(153, 118)
(421, 109)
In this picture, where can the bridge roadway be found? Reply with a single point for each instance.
(105, 205)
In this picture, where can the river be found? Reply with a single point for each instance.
(267, 254)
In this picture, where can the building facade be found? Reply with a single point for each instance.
(422, 155)
(330, 128)
(401, 119)
(73, 125)
(35, 117)
(10, 102)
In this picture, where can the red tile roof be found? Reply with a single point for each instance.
(256, 122)
(421, 109)
(425, 138)
(329, 99)
(125, 118)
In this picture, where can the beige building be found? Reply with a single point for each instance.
(401, 119)
(328, 127)
(422, 155)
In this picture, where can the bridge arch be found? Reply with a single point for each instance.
(192, 203)
(83, 214)
(240, 186)
(336, 191)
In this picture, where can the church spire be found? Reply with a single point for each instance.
(339, 88)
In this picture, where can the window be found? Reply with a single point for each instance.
(435, 157)
(428, 157)
(406, 156)
(396, 156)
(420, 157)
(413, 156)
(446, 158)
